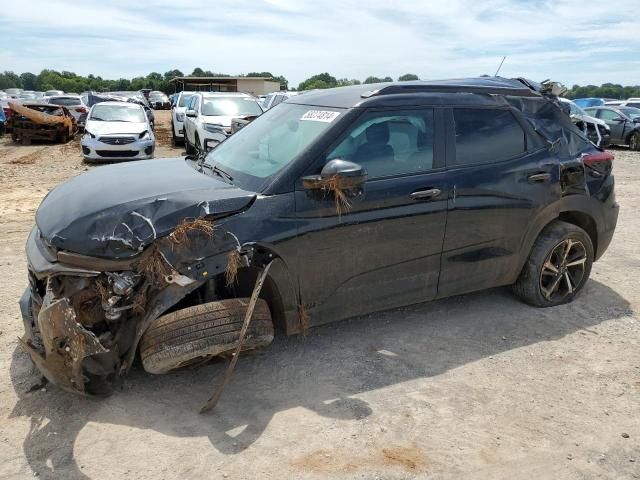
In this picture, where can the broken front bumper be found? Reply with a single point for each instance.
(84, 316)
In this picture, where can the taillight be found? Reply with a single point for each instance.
(81, 110)
(592, 159)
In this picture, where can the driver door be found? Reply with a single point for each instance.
(383, 251)
(189, 122)
(616, 122)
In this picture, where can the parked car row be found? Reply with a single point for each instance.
(598, 102)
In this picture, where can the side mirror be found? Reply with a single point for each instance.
(619, 120)
(339, 173)
(210, 144)
(190, 113)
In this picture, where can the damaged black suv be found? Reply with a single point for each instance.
(360, 200)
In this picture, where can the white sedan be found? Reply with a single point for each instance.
(117, 131)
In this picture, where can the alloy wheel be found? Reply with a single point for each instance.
(563, 270)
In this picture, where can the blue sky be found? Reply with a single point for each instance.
(573, 41)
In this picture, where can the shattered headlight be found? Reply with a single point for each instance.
(180, 117)
(213, 127)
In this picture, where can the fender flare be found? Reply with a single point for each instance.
(572, 203)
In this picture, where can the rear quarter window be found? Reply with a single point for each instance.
(486, 136)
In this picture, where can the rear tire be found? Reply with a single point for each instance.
(188, 335)
(634, 141)
(551, 276)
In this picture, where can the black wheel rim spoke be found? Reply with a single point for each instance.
(563, 270)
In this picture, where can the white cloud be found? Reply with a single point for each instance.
(566, 40)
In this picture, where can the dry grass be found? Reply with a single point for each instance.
(29, 159)
(180, 236)
(343, 204)
(141, 298)
(233, 264)
(155, 266)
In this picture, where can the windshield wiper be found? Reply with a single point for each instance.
(97, 118)
(217, 170)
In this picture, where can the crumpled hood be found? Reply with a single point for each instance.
(108, 128)
(115, 211)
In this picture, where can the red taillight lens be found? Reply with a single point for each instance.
(591, 159)
(81, 110)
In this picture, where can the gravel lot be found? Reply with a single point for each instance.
(477, 386)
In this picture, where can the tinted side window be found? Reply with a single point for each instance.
(485, 136)
(390, 142)
(608, 115)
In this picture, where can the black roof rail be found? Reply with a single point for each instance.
(482, 85)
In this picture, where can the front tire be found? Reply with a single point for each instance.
(187, 145)
(558, 266)
(634, 142)
(195, 333)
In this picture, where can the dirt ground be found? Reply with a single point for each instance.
(477, 386)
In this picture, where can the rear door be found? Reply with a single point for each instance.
(384, 250)
(501, 179)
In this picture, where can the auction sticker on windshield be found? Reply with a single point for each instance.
(320, 116)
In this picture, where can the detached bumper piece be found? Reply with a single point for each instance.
(65, 346)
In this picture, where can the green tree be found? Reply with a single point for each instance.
(29, 81)
(321, 80)
(345, 82)
(173, 73)
(284, 83)
(378, 79)
(9, 79)
(408, 76)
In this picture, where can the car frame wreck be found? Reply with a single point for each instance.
(41, 121)
(374, 203)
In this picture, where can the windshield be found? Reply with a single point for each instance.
(230, 106)
(66, 101)
(575, 109)
(184, 99)
(118, 113)
(272, 141)
(632, 113)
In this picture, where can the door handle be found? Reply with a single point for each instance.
(539, 178)
(425, 194)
